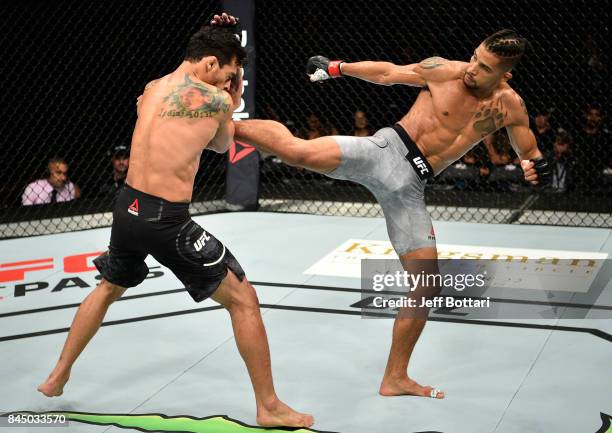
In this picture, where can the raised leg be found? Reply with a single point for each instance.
(321, 154)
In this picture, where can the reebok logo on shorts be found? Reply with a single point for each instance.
(432, 234)
(133, 208)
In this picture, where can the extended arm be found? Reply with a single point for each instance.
(385, 73)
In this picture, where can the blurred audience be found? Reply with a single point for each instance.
(592, 148)
(562, 163)
(543, 131)
(120, 161)
(361, 126)
(56, 187)
(315, 128)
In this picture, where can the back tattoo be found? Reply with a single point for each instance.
(194, 100)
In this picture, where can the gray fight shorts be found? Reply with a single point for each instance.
(387, 164)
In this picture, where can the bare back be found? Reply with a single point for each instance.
(178, 116)
(447, 120)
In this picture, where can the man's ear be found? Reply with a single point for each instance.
(210, 63)
(507, 76)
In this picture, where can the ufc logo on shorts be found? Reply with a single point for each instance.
(199, 244)
(420, 164)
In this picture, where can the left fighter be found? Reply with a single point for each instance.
(179, 116)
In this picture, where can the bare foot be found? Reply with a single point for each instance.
(281, 415)
(406, 386)
(53, 386)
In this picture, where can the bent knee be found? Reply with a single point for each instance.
(244, 298)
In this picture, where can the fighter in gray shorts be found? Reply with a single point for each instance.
(385, 164)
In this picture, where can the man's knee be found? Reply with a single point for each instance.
(236, 295)
(109, 292)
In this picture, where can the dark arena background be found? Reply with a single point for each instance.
(527, 351)
(72, 72)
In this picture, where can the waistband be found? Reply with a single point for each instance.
(414, 156)
(150, 207)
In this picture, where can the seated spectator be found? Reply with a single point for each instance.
(543, 131)
(55, 188)
(361, 127)
(562, 163)
(120, 160)
(315, 128)
(592, 150)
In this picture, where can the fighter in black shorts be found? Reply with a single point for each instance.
(179, 116)
(144, 224)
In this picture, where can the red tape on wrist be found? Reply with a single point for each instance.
(334, 68)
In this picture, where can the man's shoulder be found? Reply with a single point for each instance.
(511, 99)
(38, 183)
(441, 69)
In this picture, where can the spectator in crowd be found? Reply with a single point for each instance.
(54, 188)
(592, 153)
(361, 126)
(543, 131)
(120, 160)
(315, 128)
(562, 163)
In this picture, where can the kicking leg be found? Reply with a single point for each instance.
(84, 326)
(406, 331)
(240, 299)
(321, 154)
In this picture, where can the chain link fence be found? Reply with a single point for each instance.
(72, 72)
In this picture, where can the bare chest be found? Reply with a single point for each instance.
(460, 113)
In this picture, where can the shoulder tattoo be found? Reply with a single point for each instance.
(194, 100)
(433, 62)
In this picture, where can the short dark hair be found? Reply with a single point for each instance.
(57, 160)
(506, 44)
(221, 42)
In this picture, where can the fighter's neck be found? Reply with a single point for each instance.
(191, 69)
(483, 93)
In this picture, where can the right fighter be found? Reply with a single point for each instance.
(459, 104)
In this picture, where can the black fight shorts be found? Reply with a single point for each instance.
(144, 224)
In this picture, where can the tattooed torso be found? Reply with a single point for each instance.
(446, 120)
(177, 119)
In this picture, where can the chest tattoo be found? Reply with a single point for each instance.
(490, 118)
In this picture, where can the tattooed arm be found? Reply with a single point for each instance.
(387, 74)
